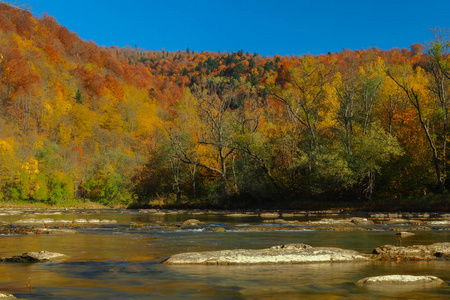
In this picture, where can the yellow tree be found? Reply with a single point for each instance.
(414, 84)
(215, 129)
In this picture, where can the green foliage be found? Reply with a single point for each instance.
(61, 190)
(41, 193)
(250, 130)
(79, 97)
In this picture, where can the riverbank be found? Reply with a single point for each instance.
(64, 205)
(428, 203)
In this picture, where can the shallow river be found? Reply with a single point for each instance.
(116, 263)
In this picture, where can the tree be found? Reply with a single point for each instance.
(413, 83)
(214, 142)
(79, 97)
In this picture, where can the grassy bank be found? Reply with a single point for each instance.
(74, 204)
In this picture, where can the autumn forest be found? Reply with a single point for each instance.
(135, 127)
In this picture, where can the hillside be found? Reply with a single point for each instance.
(123, 125)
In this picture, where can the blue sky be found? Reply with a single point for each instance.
(281, 27)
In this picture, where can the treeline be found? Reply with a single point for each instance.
(126, 125)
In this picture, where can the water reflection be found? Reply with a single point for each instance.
(116, 263)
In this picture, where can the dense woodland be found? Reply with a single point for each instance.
(127, 125)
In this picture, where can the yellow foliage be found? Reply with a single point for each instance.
(64, 134)
(6, 146)
(30, 166)
(83, 119)
(38, 144)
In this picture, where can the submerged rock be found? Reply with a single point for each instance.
(239, 215)
(218, 229)
(397, 221)
(414, 282)
(55, 231)
(437, 250)
(332, 222)
(269, 215)
(281, 221)
(32, 257)
(282, 254)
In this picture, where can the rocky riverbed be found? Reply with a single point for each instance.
(104, 244)
(54, 221)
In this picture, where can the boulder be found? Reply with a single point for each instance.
(93, 221)
(192, 222)
(440, 249)
(282, 254)
(32, 257)
(218, 229)
(402, 280)
(361, 221)
(405, 234)
(5, 296)
(105, 221)
(439, 223)
(414, 252)
(80, 221)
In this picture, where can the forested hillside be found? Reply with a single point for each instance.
(123, 125)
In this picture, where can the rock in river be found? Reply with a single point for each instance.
(402, 280)
(5, 296)
(284, 254)
(32, 257)
(192, 222)
(438, 250)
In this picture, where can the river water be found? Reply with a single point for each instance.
(119, 263)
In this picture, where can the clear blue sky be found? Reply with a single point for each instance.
(266, 27)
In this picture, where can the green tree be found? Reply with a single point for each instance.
(79, 97)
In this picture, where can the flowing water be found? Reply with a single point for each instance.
(118, 263)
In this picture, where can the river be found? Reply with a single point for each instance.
(123, 262)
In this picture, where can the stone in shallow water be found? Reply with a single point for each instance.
(269, 215)
(80, 221)
(218, 229)
(32, 257)
(402, 280)
(284, 254)
(5, 296)
(36, 221)
(282, 221)
(414, 252)
(192, 222)
(108, 221)
(405, 234)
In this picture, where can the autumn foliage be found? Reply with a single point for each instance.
(122, 125)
